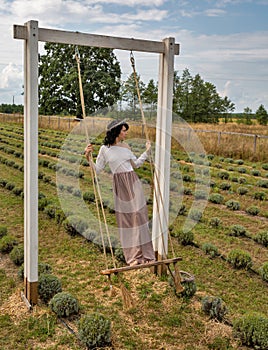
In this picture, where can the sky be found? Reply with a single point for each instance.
(225, 41)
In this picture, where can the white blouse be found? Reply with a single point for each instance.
(119, 158)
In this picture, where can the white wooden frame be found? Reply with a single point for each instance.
(31, 35)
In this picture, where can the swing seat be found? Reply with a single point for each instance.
(167, 262)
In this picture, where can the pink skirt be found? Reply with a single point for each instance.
(132, 218)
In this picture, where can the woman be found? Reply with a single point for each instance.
(130, 205)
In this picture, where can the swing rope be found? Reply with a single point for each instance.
(94, 177)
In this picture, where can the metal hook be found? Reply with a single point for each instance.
(132, 59)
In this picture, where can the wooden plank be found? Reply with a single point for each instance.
(141, 266)
(86, 39)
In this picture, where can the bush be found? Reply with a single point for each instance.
(255, 172)
(90, 234)
(242, 180)
(48, 286)
(17, 255)
(119, 254)
(200, 194)
(187, 178)
(264, 271)
(233, 205)
(187, 282)
(234, 179)
(225, 186)
(237, 230)
(195, 215)
(265, 166)
(239, 259)
(50, 211)
(216, 198)
(223, 175)
(262, 183)
(75, 224)
(189, 288)
(239, 161)
(260, 196)
(7, 243)
(210, 249)
(214, 307)
(252, 330)
(253, 210)
(17, 191)
(262, 238)
(187, 191)
(3, 182)
(182, 210)
(89, 197)
(64, 304)
(43, 268)
(173, 186)
(10, 186)
(215, 222)
(185, 238)
(3, 231)
(242, 191)
(242, 170)
(94, 330)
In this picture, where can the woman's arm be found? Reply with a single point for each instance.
(100, 161)
(137, 162)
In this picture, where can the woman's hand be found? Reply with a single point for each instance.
(88, 150)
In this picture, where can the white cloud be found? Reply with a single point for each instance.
(11, 77)
(131, 3)
(214, 12)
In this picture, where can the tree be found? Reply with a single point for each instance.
(181, 94)
(59, 86)
(198, 101)
(149, 95)
(261, 115)
(129, 92)
(247, 116)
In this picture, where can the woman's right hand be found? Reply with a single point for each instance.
(88, 150)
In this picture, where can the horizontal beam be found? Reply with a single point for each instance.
(85, 39)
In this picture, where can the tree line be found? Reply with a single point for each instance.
(194, 99)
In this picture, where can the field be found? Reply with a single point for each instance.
(223, 198)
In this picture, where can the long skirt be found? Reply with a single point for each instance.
(132, 218)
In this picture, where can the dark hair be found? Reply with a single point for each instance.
(113, 130)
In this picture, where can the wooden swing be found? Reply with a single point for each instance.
(176, 276)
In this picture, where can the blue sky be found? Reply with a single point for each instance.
(225, 41)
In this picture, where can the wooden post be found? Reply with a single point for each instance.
(31, 163)
(255, 144)
(162, 152)
(219, 138)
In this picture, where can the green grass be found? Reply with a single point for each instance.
(158, 319)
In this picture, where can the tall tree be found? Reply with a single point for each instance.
(247, 115)
(59, 86)
(130, 95)
(198, 101)
(181, 94)
(150, 96)
(261, 115)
